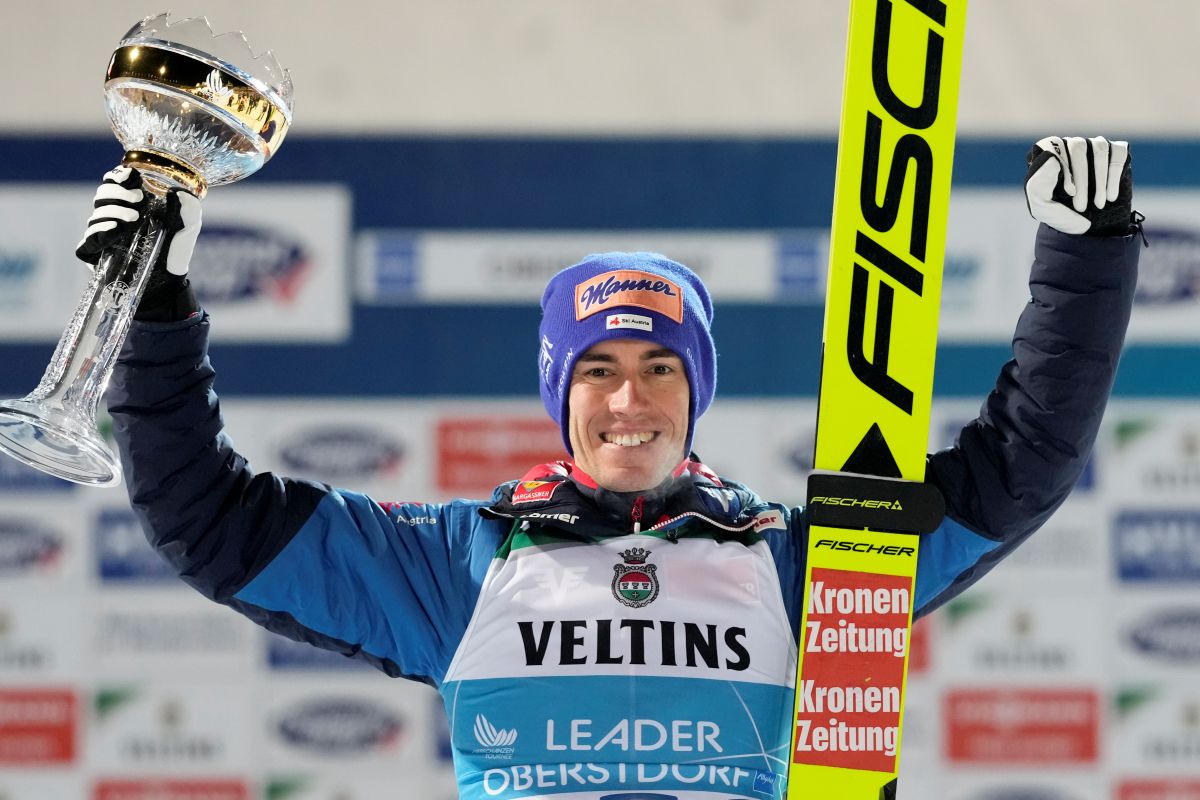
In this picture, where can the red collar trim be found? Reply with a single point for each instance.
(568, 469)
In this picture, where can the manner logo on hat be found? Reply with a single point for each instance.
(629, 287)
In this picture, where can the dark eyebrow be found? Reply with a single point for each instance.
(595, 357)
(649, 355)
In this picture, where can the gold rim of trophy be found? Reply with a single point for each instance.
(243, 103)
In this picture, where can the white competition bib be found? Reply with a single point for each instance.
(629, 668)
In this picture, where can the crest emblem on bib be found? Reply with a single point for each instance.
(634, 583)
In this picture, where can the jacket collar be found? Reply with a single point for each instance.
(560, 495)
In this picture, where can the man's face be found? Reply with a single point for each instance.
(628, 412)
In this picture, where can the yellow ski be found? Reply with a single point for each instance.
(891, 202)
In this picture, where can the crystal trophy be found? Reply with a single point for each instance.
(192, 110)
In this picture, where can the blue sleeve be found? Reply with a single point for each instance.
(1016, 463)
(398, 586)
(332, 568)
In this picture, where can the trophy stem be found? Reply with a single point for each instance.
(53, 428)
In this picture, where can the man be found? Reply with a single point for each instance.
(622, 624)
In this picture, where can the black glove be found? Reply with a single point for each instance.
(119, 203)
(1079, 185)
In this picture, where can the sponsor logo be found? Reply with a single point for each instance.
(206, 633)
(17, 271)
(1168, 731)
(1024, 793)
(534, 491)
(1158, 546)
(551, 586)
(910, 152)
(474, 454)
(1023, 650)
(1172, 636)
(17, 656)
(235, 263)
(341, 727)
(635, 583)
(396, 265)
(569, 519)
(865, 547)
(494, 743)
(546, 359)
(1167, 464)
(769, 520)
(26, 547)
(114, 295)
(858, 502)
(1025, 656)
(214, 88)
(629, 288)
(1180, 749)
(636, 735)
(579, 642)
(619, 321)
(1172, 275)
(1022, 726)
(919, 648)
(960, 273)
(285, 654)
(122, 553)
(168, 744)
(585, 777)
(343, 454)
(175, 789)
(849, 694)
(17, 266)
(765, 782)
(1159, 789)
(37, 727)
(802, 261)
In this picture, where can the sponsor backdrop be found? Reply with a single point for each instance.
(375, 307)
(1068, 673)
(271, 262)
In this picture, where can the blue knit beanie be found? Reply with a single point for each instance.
(625, 296)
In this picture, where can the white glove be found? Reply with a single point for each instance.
(119, 204)
(1079, 185)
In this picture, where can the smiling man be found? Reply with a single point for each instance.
(628, 410)
(627, 365)
(621, 623)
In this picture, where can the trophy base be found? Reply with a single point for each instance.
(47, 438)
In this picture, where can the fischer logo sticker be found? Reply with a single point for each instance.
(534, 491)
(634, 321)
(628, 287)
(635, 583)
